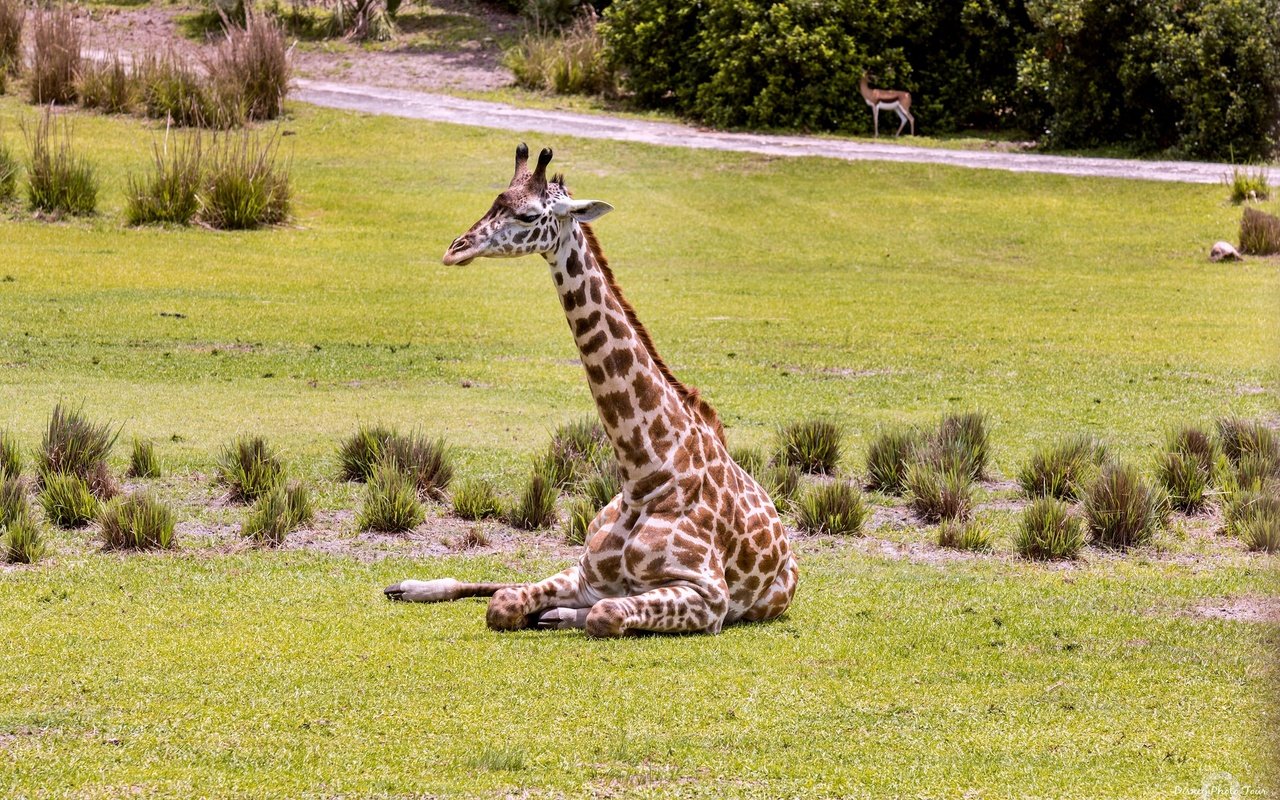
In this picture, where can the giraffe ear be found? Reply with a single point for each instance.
(581, 210)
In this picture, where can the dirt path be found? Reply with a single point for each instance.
(459, 111)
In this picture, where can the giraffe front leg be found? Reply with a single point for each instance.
(520, 606)
(670, 609)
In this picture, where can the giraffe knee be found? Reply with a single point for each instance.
(606, 620)
(507, 610)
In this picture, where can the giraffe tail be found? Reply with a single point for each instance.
(440, 590)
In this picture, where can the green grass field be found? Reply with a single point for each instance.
(871, 294)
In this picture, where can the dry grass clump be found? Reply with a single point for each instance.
(143, 462)
(391, 501)
(75, 446)
(136, 522)
(972, 535)
(249, 468)
(246, 186)
(571, 61)
(277, 513)
(1049, 532)
(249, 70)
(475, 499)
(888, 457)
(360, 452)
(13, 16)
(940, 493)
(1186, 465)
(835, 508)
(812, 446)
(170, 191)
(59, 180)
(1062, 470)
(1259, 233)
(1248, 185)
(1123, 510)
(56, 60)
(107, 86)
(67, 501)
(10, 456)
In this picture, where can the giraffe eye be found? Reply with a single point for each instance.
(527, 217)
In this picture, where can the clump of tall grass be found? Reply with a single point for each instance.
(782, 483)
(1049, 532)
(9, 169)
(13, 16)
(59, 180)
(1253, 516)
(249, 468)
(571, 61)
(427, 462)
(1064, 469)
(277, 513)
(751, 459)
(360, 452)
(56, 59)
(106, 86)
(170, 191)
(136, 522)
(1122, 509)
(246, 184)
(391, 501)
(940, 493)
(475, 499)
(580, 514)
(812, 445)
(1259, 233)
(888, 457)
(602, 486)
(576, 449)
(67, 501)
(76, 446)
(172, 89)
(536, 506)
(143, 462)
(1186, 465)
(835, 508)
(1248, 185)
(1245, 438)
(10, 456)
(13, 500)
(961, 442)
(251, 67)
(971, 535)
(23, 541)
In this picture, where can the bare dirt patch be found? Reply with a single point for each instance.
(1240, 609)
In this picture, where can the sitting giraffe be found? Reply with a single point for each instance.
(692, 542)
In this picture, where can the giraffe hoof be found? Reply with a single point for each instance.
(423, 591)
(557, 619)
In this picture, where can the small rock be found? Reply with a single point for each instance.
(1223, 251)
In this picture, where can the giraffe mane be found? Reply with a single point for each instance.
(688, 394)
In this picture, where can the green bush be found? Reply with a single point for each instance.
(143, 462)
(475, 499)
(249, 468)
(170, 191)
(939, 493)
(812, 446)
(1248, 185)
(1048, 531)
(23, 542)
(391, 501)
(136, 522)
(277, 513)
(972, 535)
(571, 61)
(888, 457)
(835, 508)
(360, 452)
(1063, 469)
(1122, 509)
(74, 445)
(59, 180)
(67, 501)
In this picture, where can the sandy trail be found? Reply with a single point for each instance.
(478, 113)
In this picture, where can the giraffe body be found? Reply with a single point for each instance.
(692, 542)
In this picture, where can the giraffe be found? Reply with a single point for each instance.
(692, 542)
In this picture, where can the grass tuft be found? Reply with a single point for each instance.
(170, 191)
(1122, 509)
(9, 169)
(1185, 467)
(107, 86)
(246, 185)
(277, 513)
(13, 500)
(602, 485)
(813, 446)
(136, 522)
(961, 442)
(575, 451)
(939, 493)
(475, 499)
(428, 463)
(971, 535)
(360, 452)
(1247, 185)
(250, 68)
(13, 17)
(23, 541)
(391, 501)
(1062, 470)
(1259, 233)
(249, 468)
(174, 90)
(835, 508)
(1049, 532)
(73, 445)
(56, 59)
(67, 501)
(143, 462)
(572, 61)
(535, 508)
(888, 457)
(59, 181)
(1253, 516)
(1244, 438)
(782, 483)
(750, 459)
(581, 511)
(10, 456)
(473, 538)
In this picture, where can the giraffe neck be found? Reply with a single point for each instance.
(643, 414)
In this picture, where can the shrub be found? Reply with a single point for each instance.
(136, 522)
(363, 20)
(9, 168)
(67, 501)
(250, 68)
(1186, 466)
(13, 500)
(571, 61)
(55, 56)
(249, 468)
(1259, 233)
(811, 445)
(428, 463)
(475, 499)
(1062, 470)
(1121, 509)
(59, 181)
(782, 483)
(1247, 185)
(888, 457)
(581, 513)
(1253, 515)
(362, 450)
(106, 86)
(13, 14)
(277, 513)
(10, 456)
(971, 535)
(23, 540)
(391, 501)
(835, 508)
(169, 193)
(939, 493)
(73, 445)
(1048, 531)
(536, 506)
(246, 186)
(143, 462)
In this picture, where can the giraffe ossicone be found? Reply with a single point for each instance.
(692, 542)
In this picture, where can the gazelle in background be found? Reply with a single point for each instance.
(889, 100)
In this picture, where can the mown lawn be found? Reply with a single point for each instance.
(867, 293)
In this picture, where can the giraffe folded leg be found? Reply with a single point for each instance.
(670, 609)
(511, 608)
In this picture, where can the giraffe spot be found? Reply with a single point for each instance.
(618, 327)
(593, 344)
(584, 325)
(650, 483)
(647, 393)
(618, 362)
(573, 264)
(614, 406)
(595, 374)
(594, 286)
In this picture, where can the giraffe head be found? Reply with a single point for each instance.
(525, 219)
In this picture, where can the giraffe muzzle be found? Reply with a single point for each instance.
(461, 253)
